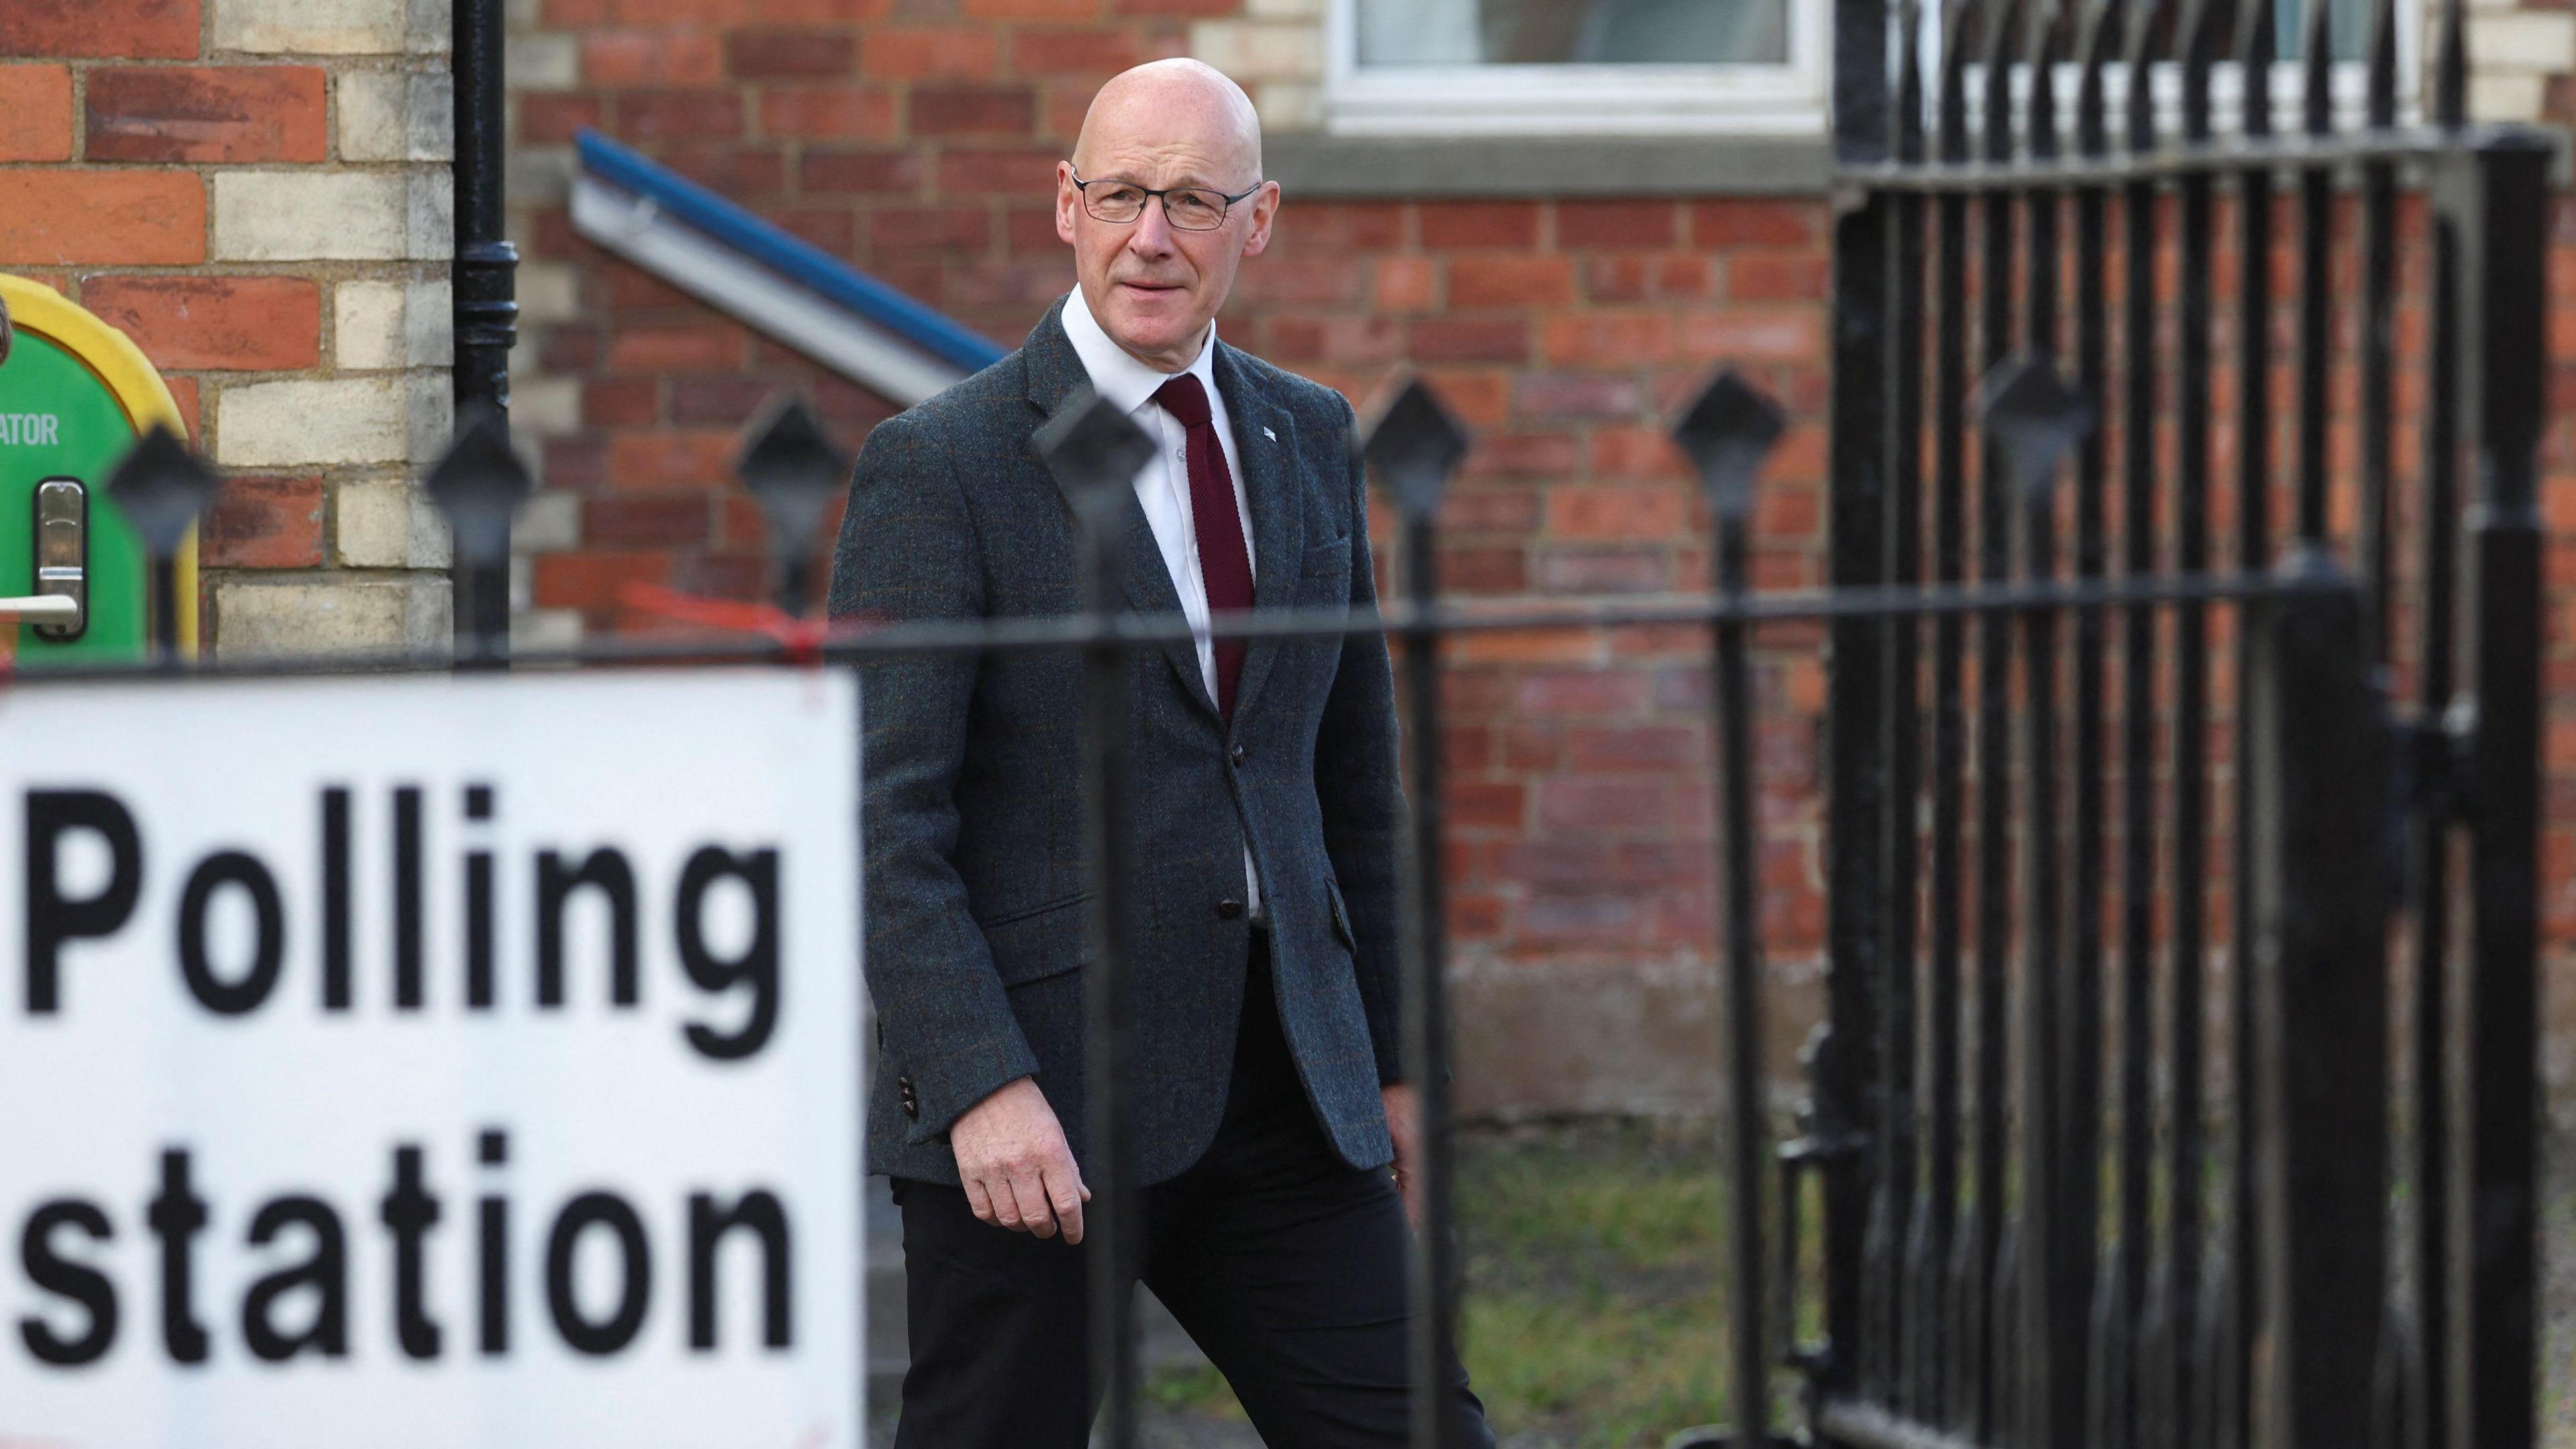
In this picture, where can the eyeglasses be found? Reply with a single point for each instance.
(1190, 208)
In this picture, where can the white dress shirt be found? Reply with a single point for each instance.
(1163, 484)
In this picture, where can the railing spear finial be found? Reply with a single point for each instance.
(1413, 445)
(479, 484)
(792, 467)
(162, 489)
(2036, 417)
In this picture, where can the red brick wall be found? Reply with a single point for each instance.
(1563, 332)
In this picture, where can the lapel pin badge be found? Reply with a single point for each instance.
(1274, 437)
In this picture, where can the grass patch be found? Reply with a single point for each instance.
(1596, 1311)
(1200, 1391)
(1596, 1307)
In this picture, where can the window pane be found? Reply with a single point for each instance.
(1579, 32)
(2347, 28)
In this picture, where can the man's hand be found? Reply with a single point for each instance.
(1403, 1121)
(1017, 1170)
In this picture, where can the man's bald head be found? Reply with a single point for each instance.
(1173, 102)
(1169, 126)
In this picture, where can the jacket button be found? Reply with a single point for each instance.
(911, 1103)
(1236, 754)
(1229, 909)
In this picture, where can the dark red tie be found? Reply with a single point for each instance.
(1223, 565)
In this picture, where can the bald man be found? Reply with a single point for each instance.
(1273, 1126)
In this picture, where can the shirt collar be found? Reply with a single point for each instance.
(1115, 373)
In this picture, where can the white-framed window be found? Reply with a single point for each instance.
(1575, 67)
(1700, 67)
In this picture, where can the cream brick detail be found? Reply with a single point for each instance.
(2530, 41)
(548, 292)
(385, 523)
(546, 407)
(1289, 105)
(433, 26)
(313, 423)
(429, 324)
(549, 522)
(381, 325)
(312, 616)
(540, 175)
(396, 116)
(429, 216)
(2498, 98)
(431, 403)
(541, 629)
(313, 27)
(543, 62)
(1255, 51)
(274, 216)
(1285, 9)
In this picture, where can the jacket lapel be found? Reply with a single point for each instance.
(1056, 375)
(1265, 440)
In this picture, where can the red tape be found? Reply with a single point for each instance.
(802, 640)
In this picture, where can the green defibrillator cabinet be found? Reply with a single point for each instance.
(75, 394)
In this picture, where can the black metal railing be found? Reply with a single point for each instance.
(2372, 781)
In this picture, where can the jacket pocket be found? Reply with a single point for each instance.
(1038, 942)
(1341, 915)
(1333, 556)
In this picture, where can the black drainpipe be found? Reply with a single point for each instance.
(483, 278)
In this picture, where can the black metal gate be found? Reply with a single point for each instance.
(2062, 828)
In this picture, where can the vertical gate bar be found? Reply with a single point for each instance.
(165, 611)
(2379, 327)
(2429, 837)
(2240, 1281)
(2117, 1335)
(1990, 1247)
(2030, 417)
(1427, 1014)
(2316, 271)
(2494, 1220)
(2176, 1297)
(2059, 1237)
(1727, 432)
(2039, 204)
(1751, 1386)
(2082, 1192)
(1412, 448)
(1931, 1250)
(1093, 449)
(2322, 777)
(1900, 873)
(2398, 1384)
(1110, 1009)
(1842, 1051)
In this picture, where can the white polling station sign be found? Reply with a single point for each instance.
(431, 1061)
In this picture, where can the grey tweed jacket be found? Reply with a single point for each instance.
(973, 814)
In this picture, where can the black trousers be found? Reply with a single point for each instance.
(1285, 1263)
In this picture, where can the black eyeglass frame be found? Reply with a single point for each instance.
(1223, 216)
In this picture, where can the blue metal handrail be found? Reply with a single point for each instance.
(791, 257)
